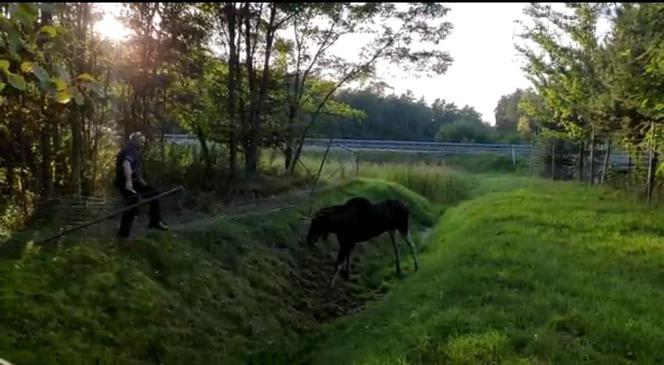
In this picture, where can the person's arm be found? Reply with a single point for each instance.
(127, 172)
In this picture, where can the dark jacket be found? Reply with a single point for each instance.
(132, 154)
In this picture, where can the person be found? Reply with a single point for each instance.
(129, 181)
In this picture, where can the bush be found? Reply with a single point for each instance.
(466, 131)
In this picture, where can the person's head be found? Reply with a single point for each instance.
(137, 139)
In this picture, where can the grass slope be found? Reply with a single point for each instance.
(545, 274)
(233, 291)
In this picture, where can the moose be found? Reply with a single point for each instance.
(359, 220)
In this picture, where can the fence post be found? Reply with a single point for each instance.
(513, 156)
(320, 170)
(582, 156)
(606, 160)
(651, 163)
(532, 147)
(553, 159)
(592, 156)
(357, 164)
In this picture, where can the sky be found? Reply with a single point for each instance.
(485, 67)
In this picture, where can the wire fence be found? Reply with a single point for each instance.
(599, 164)
(544, 157)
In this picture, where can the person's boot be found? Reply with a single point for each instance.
(160, 226)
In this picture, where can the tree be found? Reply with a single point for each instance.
(507, 112)
(566, 70)
(634, 71)
(393, 32)
(36, 87)
(466, 128)
(533, 115)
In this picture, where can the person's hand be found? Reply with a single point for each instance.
(130, 187)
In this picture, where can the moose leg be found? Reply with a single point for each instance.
(349, 258)
(396, 252)
(406, 238)
(343, 252)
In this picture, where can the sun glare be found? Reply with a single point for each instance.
(110, 27)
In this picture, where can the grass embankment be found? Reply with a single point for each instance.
(546, 274)
(225, 293)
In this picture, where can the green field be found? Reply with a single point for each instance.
(544, 274)
(514, 270)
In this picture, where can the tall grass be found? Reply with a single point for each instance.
(439, 184)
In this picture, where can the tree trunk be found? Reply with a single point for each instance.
(580, 162)
(47, 178)
(61, 173)
(205, 151)
(11, 180)
(256, 119)
(233, 74)
(288, 157)
(76, 150)
(45, 139)
(606, 160)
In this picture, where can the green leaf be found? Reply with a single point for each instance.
(40, 73)
(29, 9)
(85, 77)
(15, 80)
(60, 84)
(26, 66)
(49, 30)
(26, 13)
(14, 40)
(63, 97)
(4, 65)
(2, 86)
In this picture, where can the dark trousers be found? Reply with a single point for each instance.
(145, 191)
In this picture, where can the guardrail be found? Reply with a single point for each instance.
(392, 145)
(521, 150)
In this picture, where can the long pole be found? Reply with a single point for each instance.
(81, 226)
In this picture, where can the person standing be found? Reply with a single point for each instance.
(129, 181)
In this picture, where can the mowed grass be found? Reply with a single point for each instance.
(548, 273)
